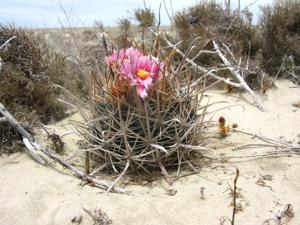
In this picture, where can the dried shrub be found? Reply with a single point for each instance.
(280, 26)
(124, 36)
(26, 79)
(88, 35)
(10, 139)
(99, 25)
(211, 20)
(124, 25)
(233, 28)
(145, 17)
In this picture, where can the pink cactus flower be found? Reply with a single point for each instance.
(141, 71)
(120, 55)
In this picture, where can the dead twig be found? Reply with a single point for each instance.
(7, 42)
(283, 218)
(98, 216)
(211, 72)
(32, 144)
(207, 72)
(238, 76)
(234, 195)
(262, 181)
(27, 138)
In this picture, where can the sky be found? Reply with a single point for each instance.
(82, 13)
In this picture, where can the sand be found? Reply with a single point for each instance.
(38, 195)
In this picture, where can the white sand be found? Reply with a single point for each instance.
(36, 195)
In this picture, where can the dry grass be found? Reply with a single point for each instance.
(280, 26)
(211, 20)
(25, 82)
(10, 139)
(145, 17)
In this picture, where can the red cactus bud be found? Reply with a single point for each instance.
(222, 120)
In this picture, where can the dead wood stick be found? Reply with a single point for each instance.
(3, 120)
(111, 186)
(30, 143)
(165, 173)
(1, 61)
(14, 123)
(6, 42)
(32, 152)
(234, 195)
(237, 75)
(241, 85)
(208, 72)
(27, 138)
(87, 163)
(84, 176)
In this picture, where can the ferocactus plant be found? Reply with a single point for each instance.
(144, 116)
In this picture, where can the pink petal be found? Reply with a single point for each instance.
(142, 92)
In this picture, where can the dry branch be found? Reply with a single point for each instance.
(207, 72)
(3, 120)
(234, 195)
(7, 42)
(211, 72)
(237, 75)
(1, 61)
(27, 138)
(97, 182)
(30, 143)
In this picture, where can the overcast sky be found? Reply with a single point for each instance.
(49, 13)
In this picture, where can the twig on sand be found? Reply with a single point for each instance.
(234, 195)
(30, 144)
(270, 142)
(283, 218)
(27, 138)
(98, 216)
(281, 149)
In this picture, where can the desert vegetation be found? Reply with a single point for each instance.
(141, 91)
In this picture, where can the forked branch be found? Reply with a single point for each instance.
(238, 76)
(211, 72)
(31, 144)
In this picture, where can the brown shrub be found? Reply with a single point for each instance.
(26, 79)
(280, 26)
(211, 20)
(145, 17)
(10, 140)
(124, 36)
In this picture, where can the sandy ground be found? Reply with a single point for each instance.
(38, 195)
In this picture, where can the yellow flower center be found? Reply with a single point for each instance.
(142, 74)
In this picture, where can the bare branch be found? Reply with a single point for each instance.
(30, 143)
(238, 76)
(7, 42)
